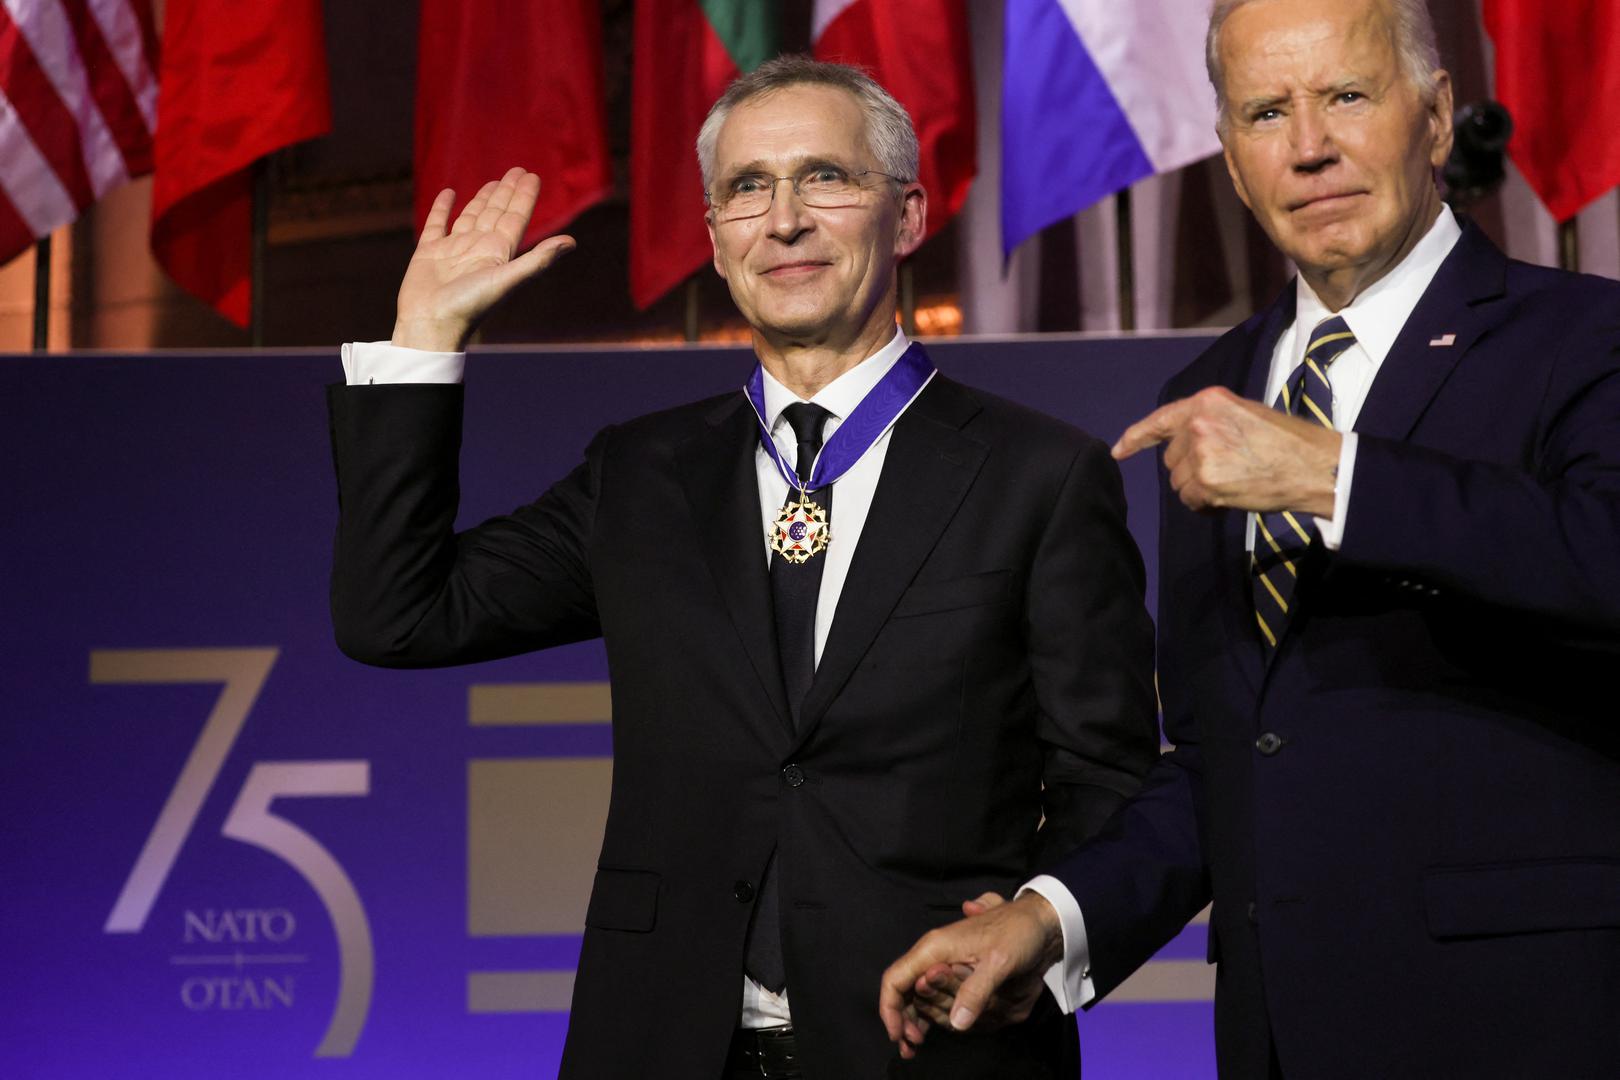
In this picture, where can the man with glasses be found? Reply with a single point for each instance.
(893, 623)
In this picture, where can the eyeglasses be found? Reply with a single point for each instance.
(824, 187)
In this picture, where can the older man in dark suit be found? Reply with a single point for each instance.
(829, 601)
(1390, 596)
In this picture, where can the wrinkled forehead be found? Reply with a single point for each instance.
(1271, 47)
(783, 130)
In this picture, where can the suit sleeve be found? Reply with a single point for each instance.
(1140, 879)
(407, 590)
(1537, 539)
(1091, 653)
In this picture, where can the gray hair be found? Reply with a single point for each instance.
(1414, 48)
(889, 134)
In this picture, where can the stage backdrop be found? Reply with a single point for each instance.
(229, 850)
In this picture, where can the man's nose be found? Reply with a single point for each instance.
(787, 215)
(1311, 140)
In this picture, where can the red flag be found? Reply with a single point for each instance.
(239, 81)
(500, 84)
(919, 51)
(1558, 73)
(686, 52)
(78, 101)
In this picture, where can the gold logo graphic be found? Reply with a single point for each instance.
(251, 821)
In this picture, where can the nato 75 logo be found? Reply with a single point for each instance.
(251, 820)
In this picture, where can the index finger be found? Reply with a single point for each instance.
(898, 983)
(1156, 427)
(893, 989)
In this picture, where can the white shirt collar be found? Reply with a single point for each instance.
(840, 396)
(1378, 314)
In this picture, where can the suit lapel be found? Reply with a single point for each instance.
(927, 471)
(1451, 316)
(1414, 370)
(1246, 368)
(722, 487)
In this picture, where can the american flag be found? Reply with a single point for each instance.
(78, 106)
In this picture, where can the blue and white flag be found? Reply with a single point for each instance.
(1096, 95)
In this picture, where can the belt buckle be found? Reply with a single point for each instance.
(774, 1052)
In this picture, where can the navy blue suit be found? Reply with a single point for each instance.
(1409, 820)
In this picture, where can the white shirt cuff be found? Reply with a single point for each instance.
(1069, 979)
(1331, 530)
(368, 362)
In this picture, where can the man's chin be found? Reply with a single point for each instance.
(1329, 251)
(804, 325)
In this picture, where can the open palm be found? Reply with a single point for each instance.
(455, 276)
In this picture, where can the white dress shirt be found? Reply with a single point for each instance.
(1376, 317)
(854, 489)
(380, 363)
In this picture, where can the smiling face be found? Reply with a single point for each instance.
(1328, 141)
(820, 278)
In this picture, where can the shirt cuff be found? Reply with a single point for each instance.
(1070, 978)
(369, 362)
(1331, 530)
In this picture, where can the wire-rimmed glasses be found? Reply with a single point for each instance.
(822, 186)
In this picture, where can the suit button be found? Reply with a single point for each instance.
(1254, 914)
(793, 775)
(743, 891)
(1269, 743)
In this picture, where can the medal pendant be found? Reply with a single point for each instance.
(800, 532)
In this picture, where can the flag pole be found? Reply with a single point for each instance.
(261, 228)
(690, 328)
(42, 294)
(1569, 245)
(1127, 259)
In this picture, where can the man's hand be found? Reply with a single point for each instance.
(1225, 452)
(456, 276)
(985, 969)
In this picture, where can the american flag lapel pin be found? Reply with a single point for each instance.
(1443, 341)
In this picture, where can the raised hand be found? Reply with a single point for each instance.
(456, 275)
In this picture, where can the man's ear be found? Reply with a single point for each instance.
(1441, 124)
(913, 220)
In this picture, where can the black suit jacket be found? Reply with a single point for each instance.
(1410, 819)
(990, 661)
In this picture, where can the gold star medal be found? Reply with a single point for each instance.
(800, 531)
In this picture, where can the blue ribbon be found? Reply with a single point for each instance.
(876, 413)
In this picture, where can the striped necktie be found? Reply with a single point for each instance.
(1280, 536)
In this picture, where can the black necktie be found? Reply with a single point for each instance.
(794, 587)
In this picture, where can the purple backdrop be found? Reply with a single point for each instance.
(168, 530)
